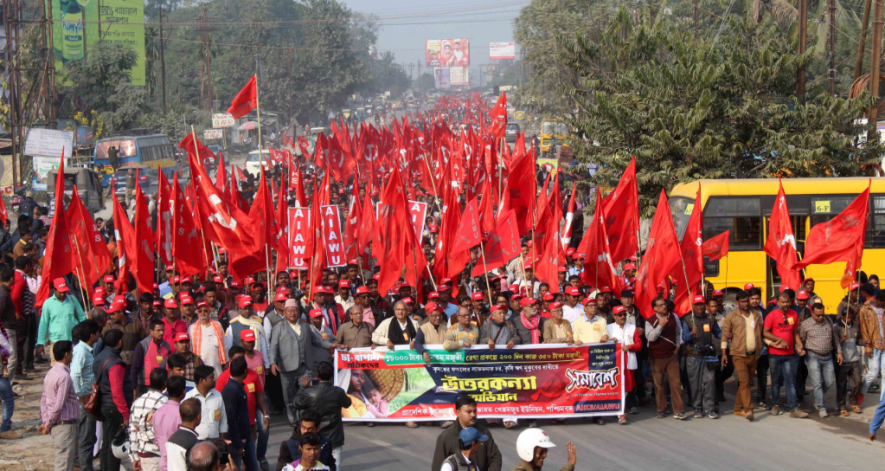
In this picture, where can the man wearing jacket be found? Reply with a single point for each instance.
(700, 333)
(743, 327)
(289, 449)
(487, 458)
(664, 336)
(326, 400)
(873, 334)
(289, 351)
(236, 406)
(116, 397)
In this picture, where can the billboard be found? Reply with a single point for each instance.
(120, 21)
(441, 78)
(459, 76)
(447, 52)
(498, 51)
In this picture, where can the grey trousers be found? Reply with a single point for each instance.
(703, 384)
(291, 384)
(15, 356)
(64, 440)
(86, 427)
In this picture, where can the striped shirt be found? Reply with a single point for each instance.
(59, 402)
(819, 338)
(141, 429)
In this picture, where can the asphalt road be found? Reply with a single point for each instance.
(647, 443)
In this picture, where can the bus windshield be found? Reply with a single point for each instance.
(125, 146)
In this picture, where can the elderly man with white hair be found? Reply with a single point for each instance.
(289, 350)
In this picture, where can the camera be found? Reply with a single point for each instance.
(707, 350)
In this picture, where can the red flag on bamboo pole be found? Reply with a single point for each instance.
(621, 209)
(716, 247)
(661, 255)
(246, 100)
(688, 282)
(781, 243)
(90, 247)
(145, 241)
(58, 260)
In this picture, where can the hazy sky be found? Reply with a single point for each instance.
(408, 23)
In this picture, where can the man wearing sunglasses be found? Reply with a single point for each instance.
(781, 334)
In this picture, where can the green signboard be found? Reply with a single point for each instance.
(79, 25)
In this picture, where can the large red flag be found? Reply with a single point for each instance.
(498, 114)
(321, 197)
(124, 235)
(395, 245)
(781, 243)
(246, 100)
(192, 145)
(352, 225)
(367, 228)
(598, 268)
(93, 257)
(58, 259)
(165, 220)
(569, 218)
(469, 232)
(145, 240)
(661, 255)
(243, 264)
(502, 246)
(716, 247)
(190, 258)
(688, 281)
(519, 194)
(553, 257)
(4, 216)
(840, 239)
(621, 208)
(221, 181)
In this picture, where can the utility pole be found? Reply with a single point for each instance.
(874, 73)
(831, 55)
(803, 40)
(858, 65)
(411, 68)
(162, 60)
(205, 30)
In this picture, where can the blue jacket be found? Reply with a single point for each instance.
(239, 428)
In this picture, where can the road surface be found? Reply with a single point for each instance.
(729, 443)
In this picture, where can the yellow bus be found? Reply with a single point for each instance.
(743, 207)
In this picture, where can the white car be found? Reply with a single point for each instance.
(253, 162)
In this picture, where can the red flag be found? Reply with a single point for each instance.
(367, 228)
(124, 235)
(321, 197)
(90, 248)
(781, 243)
(547, 267)
(145, 240)
(235, 195)
(243, 264)
(57, 260)
(192, 145)
(569, 217)
(689, 281)
(598, 268)
(716, 247)
(246, 100)
(352, 225)
(190, 258)
(4, 217)
(221, 181)
(469, 232)
(519, 194)
(498, 114)
(487, 210)
(840, 239)
(283, 235)
(224, 224)
(165, 217)
(502, 246)
(395, 244)
(621, 208)
(303, 147)
(661, 255)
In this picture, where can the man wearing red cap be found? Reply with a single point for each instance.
(246, 321)
(133, 332)
(363, 298)
(188, 309)
(174, 325)
(478, 310)
(207, 337)
(572, 310)
(182, 348)
(333, 313)
(344, 298)
(59, 316)
(259, 300)
(319, 354)
(149, 354)
(529, 324)
(700, 334)
(630, 338)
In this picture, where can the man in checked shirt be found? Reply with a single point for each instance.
(59, 408)
(818, 340)
(144, 451)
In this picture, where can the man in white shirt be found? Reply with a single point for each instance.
(343, 297)
(213, 420)
(572, 309)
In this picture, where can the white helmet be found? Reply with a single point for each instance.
(528, 440)
(120, 446)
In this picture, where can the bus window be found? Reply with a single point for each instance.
(746, 232)
(824, 208)
(876, 231)
(680, 209)
(717, 207)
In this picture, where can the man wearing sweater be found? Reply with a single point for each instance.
(664, 336)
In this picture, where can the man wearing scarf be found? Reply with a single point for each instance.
(245, 320)
(207, 337)
(333, 313)
(530, 324)
(397, 330)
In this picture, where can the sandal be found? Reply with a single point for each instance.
(856, 409)
(843, 413)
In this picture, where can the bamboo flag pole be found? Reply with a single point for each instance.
(482, 251)
(86, 300)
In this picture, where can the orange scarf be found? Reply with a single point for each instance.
(198, 337)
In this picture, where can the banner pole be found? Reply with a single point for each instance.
(482, 251)
(258, 109)
(202, 234)
(86, 300)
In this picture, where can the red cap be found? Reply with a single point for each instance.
(170, 303)
(344, 284)
(98, 300)
(282, 289)
(99, 290)
(433, 295)
(316, 313)
(618, 309)
(247, 335)
(156, 303)
(156, 286)
(408, 300)
(548, 296)
(176, 280)
(217, 279)
(293, 275)
(633, 258)
(182, 337)
(445, 281)
(376, 276)
(784, 288)
(807, 280)
(281, 297)
(250, 280)
(236, 284)
(362, 290)
(514, 288)
(698, 299)
(245, 301)
(555, 305)
(853, 286)
(476, 296)
(374, 192)
(589, 300)
(516, 297)
(404, 284)
(578, 256)
(433, 228)
(119, 304)
(186, 300)
(748, 286)
(60, 285)
(109, 279)
(526, 301)
(202, 304)
(187, 280)
(430, 307)
(629, 266)
(326, 289)
(498, 307)
(605, 289)
(528, 266)
(572, 291)
(563, 270)
(570, 251)
(717, 292)
(802, 295)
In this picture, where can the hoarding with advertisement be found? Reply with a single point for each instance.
(213, 134)
(441, 78)
(531, 381)
(459, 76)
(223, 120)
(447, 52)
(498, 51)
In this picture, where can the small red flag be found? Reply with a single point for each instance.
(621, 208)
(502, 246)
(498, 113)
(246, 100)
(598, 268)
(716, 247)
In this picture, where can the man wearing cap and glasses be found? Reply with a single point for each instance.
(572, 309)
(371, 315)
(246, 321)
(207, 338)
(171, 319)
(133, 332)
(59, 316)
(700, 332)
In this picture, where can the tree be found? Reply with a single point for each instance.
(424, 82)
(713, 108)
